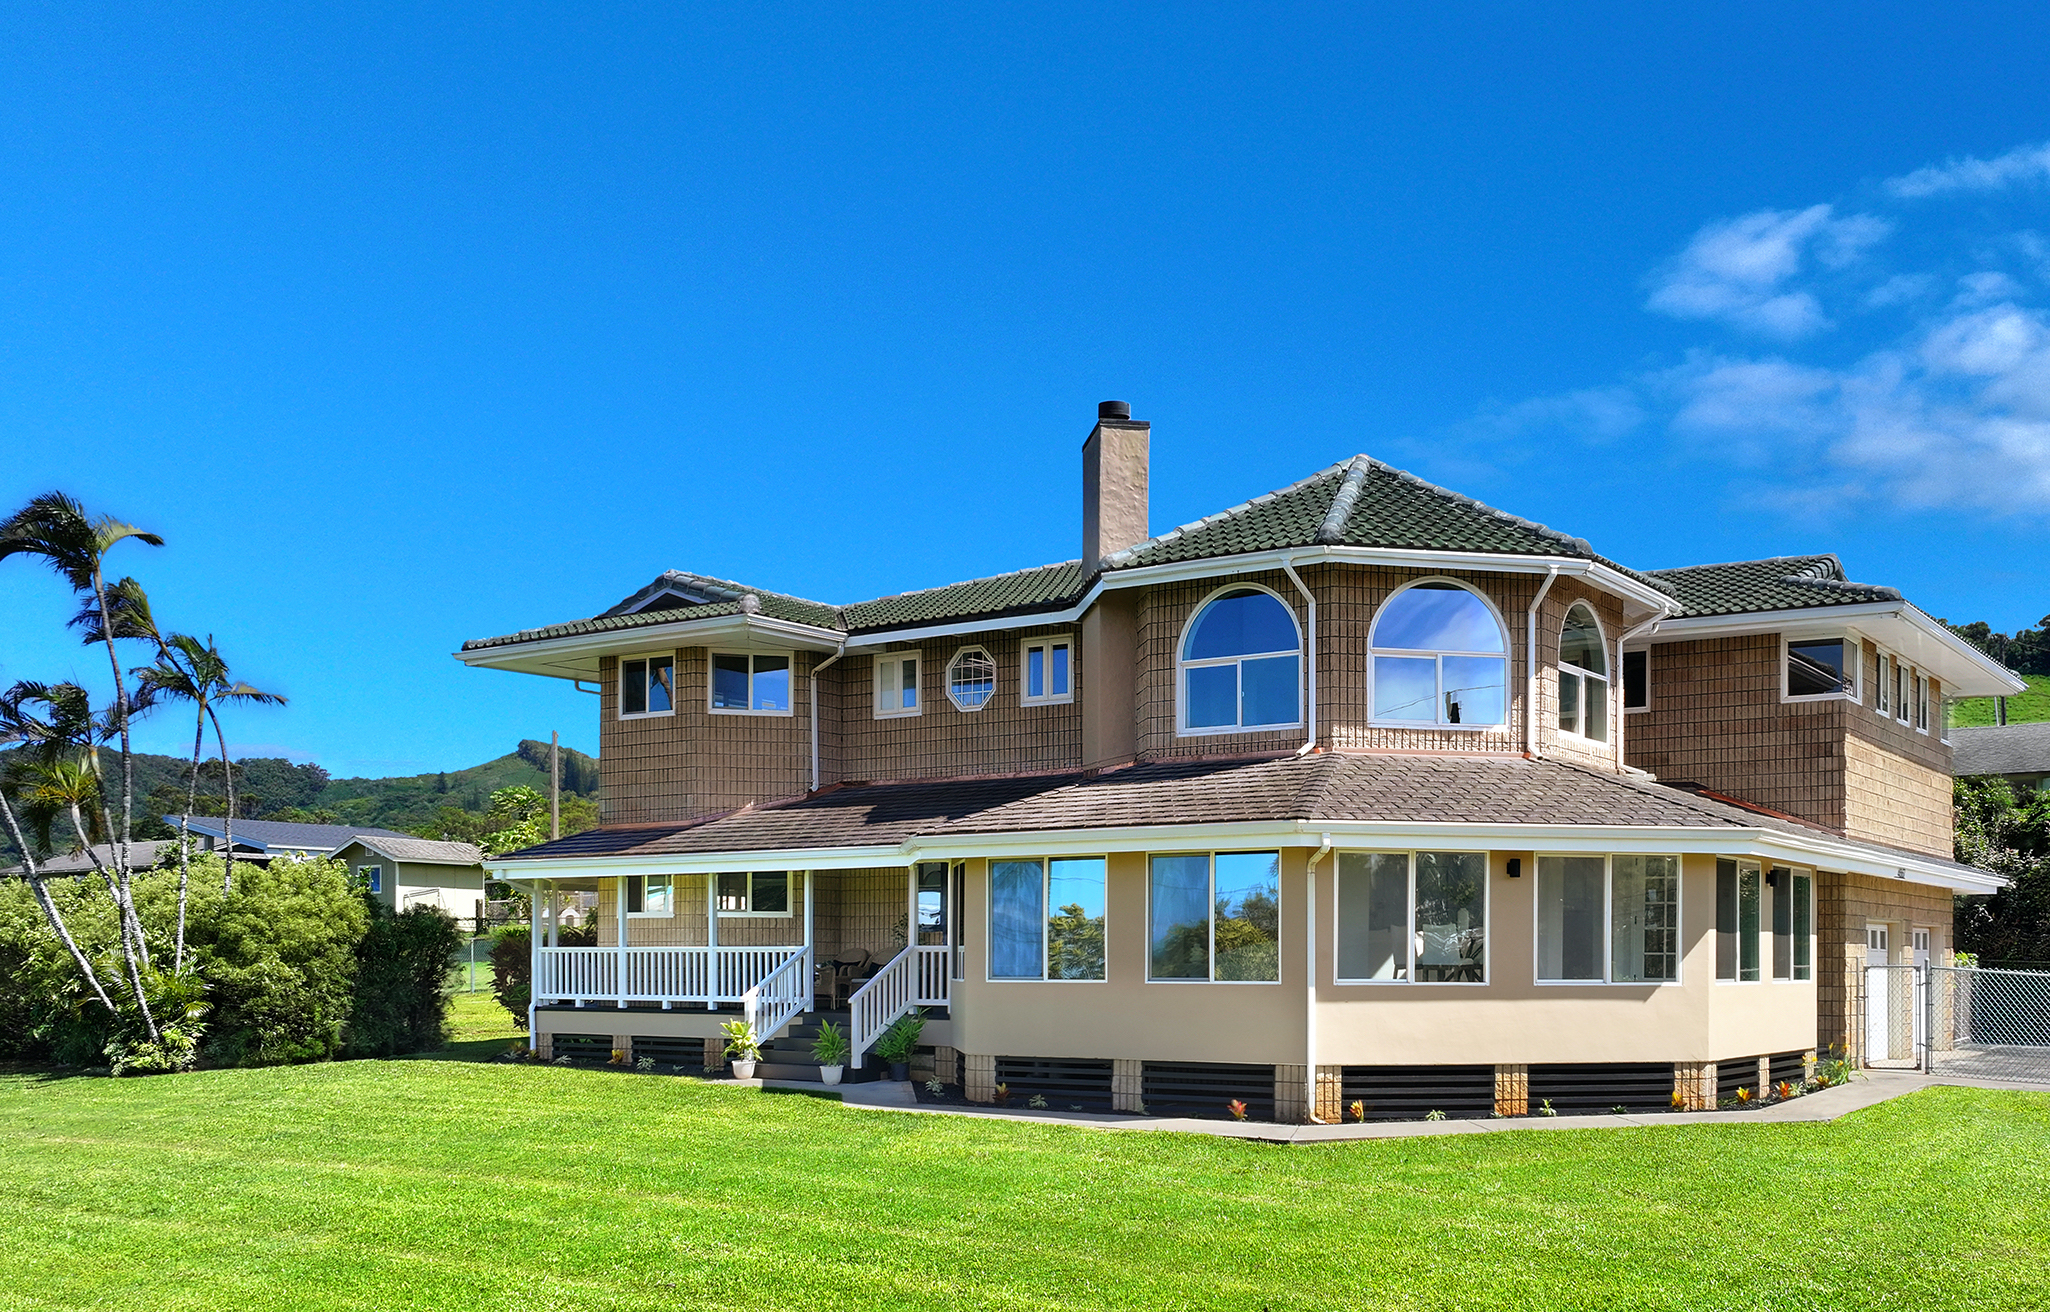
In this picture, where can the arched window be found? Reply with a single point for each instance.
(1583, 676)
(1439, 658)
(1241, 663)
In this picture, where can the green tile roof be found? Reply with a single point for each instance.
(1781, 583)
(1048, 587)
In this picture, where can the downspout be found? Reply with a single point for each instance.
(815, 710)
(1530, 660)
(1310, 955)
(1650, 626)
(1310, 682)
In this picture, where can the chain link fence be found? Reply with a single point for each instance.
(1987, 1024)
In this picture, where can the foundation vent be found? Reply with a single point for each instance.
(668, 1050)
(1735, 1073)
(1595, 1087)
(582, 1047)
(1410, 1093)
(1195, 1088)
(1064, 1082)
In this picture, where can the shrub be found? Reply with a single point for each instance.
(512, 963)
(402, 982)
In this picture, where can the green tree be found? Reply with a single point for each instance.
(2010, 837)
(1074, 944)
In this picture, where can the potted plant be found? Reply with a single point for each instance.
(829, 1050)
(742, 1047)
(899, 1042)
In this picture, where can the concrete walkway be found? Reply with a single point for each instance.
(1825, 1105)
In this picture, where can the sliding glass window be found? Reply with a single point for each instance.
(1046, 919)
(1737, 886)
(1214, 917)
(1412, 917)
(1612, 920)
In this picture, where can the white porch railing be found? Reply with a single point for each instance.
(915, 977)
(782, 994)
(705, 976)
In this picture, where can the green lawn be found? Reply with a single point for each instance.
(2028, 708)
(424, 1184)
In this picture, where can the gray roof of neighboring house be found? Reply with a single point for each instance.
(1330, 787)
(2001, 749)
(425, 851)
(267, 834)
(1778, 583)
(143, 854)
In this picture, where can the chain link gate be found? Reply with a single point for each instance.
(1990, 1024)
(1896, 1017)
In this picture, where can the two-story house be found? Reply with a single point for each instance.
(1361, 790)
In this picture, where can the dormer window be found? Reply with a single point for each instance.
(1440, 658)
(1241, 665)
(1821, 667)
(1583, 676)
(647, 686)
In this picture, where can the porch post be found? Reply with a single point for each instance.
(811, 988)
(619, 893)
(911, 912)
(533, 960)
(711, 941)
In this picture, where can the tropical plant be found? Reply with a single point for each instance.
(1434, 1115)
(898, 1042)
(829, 1048)
(1357, 1110)
(1237, 1108)
(741, 1043)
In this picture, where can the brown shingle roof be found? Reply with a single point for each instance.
(1472, 790)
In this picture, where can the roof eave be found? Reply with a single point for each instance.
(1898, 626)
(576, 656)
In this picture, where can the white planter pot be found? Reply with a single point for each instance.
(743, 1070)
(832, 1074)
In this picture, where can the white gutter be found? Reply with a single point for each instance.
(1822, 850)
(1310, 665)
(1310, 1012)
(1530, 691)
(815, 671)
(1827, 621)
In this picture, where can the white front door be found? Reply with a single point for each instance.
(1877, 1029)
(1921, 947)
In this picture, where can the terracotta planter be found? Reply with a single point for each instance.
(743, 1070)
(832, 1074)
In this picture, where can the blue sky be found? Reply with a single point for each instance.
(405, 326)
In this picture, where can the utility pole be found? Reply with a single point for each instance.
(555, 783)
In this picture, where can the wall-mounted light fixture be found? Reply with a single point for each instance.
(1516, 867)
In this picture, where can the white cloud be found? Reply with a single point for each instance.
(2024, 164)
(1595, 414)
(1737, 270)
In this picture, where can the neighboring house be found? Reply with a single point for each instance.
(260, 840)
(2018, 753)
(408, 872)
(143, 854)
(1347, 792)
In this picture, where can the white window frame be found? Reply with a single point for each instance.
(900, 711)
(712, 678)
(1560, 667)
(1638, 710)
(954, 661)
(1881, 705)
(1608, 860)
(1487, 922)
(372, 877)
(1438, 700)
(1854, 661)
(1182, 668)
(1046, 646)
(668, 881)
(1945, 704)
(1921, 703)
(619, 686)
(790, 894)
(1280, 920)
(1903, 692)
(1046, 909)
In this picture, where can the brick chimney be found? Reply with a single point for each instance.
(1113, 484)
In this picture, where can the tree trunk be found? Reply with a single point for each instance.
(228, 774)
(185, 834)
(123, 864)
(50, 912)
(124, 909)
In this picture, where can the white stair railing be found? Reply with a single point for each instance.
(933, 963)
(783, 993)
(876, 1005)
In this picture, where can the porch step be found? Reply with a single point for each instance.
(773, 1067)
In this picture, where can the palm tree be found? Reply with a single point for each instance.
(56, 528)
(194, 671)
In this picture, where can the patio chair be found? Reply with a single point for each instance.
(843, 974)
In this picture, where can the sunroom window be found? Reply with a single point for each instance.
(1413, 917)
(1608, 919)
(1439, 659)
(1214, 917)
(647, 686)
(1738, 902)
(1583, 677)
(1241, 665)
(752, 684)
(1046, 919)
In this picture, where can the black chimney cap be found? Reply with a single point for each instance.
(1113, 410)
